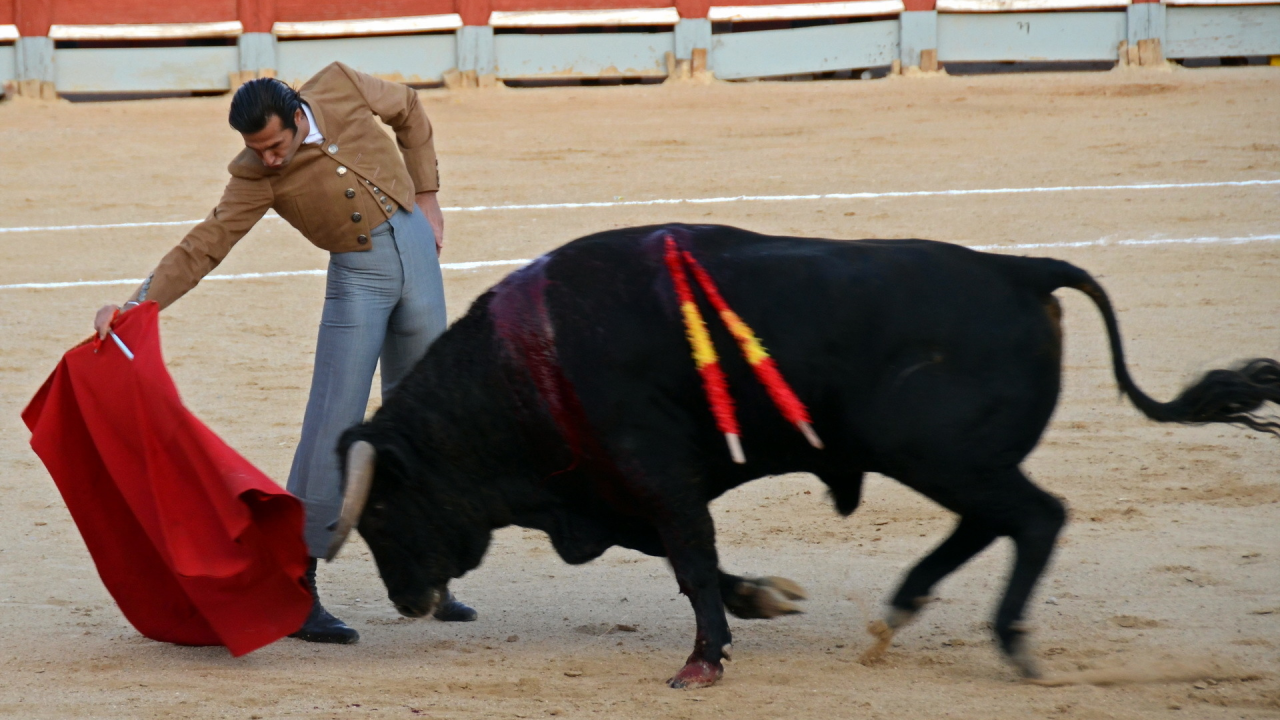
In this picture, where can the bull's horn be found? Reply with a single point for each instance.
(360, 460)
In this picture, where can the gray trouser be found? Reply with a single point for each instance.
(385, 303)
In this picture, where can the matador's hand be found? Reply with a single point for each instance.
(430, 206)
(102, 321)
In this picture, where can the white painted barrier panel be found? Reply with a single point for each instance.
(1222, 31)
(8, 64)
(404, 58)
(8, 33)
(769, 53)
(145, 69)
(1051, 37)
(585, 55)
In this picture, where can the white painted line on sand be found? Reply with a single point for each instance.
(46, 228)
(271, 215)
(78, 283)
(863, 195)
(1104, 242)
(483, 263)
(245, 276)
(727, 199)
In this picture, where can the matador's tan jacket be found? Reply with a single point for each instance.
(334, 193)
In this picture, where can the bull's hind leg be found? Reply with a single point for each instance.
(1005, 503)
(969, 538)
(1035, 518)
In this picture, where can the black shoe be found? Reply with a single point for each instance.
(322, 627)
(453, 611)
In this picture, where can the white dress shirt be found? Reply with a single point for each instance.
(314, 137)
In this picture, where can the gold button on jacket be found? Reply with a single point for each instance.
(311, 191)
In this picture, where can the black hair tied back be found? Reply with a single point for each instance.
(257, 100)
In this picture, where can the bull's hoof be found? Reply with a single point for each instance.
(1018, 649)
(420, 606)
(883, 635)
(883, 630)
(697, 674)
(789, 588)
(764, 598)
(451, 610)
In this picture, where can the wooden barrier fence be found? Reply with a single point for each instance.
(123, 46)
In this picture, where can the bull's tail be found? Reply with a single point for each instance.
(1233, 395)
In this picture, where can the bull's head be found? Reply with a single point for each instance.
(411, 532)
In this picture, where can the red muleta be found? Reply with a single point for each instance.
(196, 545)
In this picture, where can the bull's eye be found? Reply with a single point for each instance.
(372, 516)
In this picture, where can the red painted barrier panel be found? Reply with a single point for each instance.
(722, 3)
(526, 5)
(315, 10)
(33, 17)
(140, 12)
(693, 9)
(474, 12)
(256, 16)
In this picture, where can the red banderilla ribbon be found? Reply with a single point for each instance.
(708, 362)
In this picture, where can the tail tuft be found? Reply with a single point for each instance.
(1230, 396)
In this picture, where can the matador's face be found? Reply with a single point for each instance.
(276, 144)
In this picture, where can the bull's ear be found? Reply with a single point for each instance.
(361, 461)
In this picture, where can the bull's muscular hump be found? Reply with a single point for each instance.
(567, 400)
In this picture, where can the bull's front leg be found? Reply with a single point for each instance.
(691, 548)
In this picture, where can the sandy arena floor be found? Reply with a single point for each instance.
(1168, 575)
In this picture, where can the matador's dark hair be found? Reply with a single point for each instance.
(257, 100)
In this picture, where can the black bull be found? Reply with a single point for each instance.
(566, 400)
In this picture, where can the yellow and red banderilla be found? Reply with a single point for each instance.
(708, 362)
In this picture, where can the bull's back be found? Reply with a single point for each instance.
(901, 349)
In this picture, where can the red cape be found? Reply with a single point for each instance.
(196, 545)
